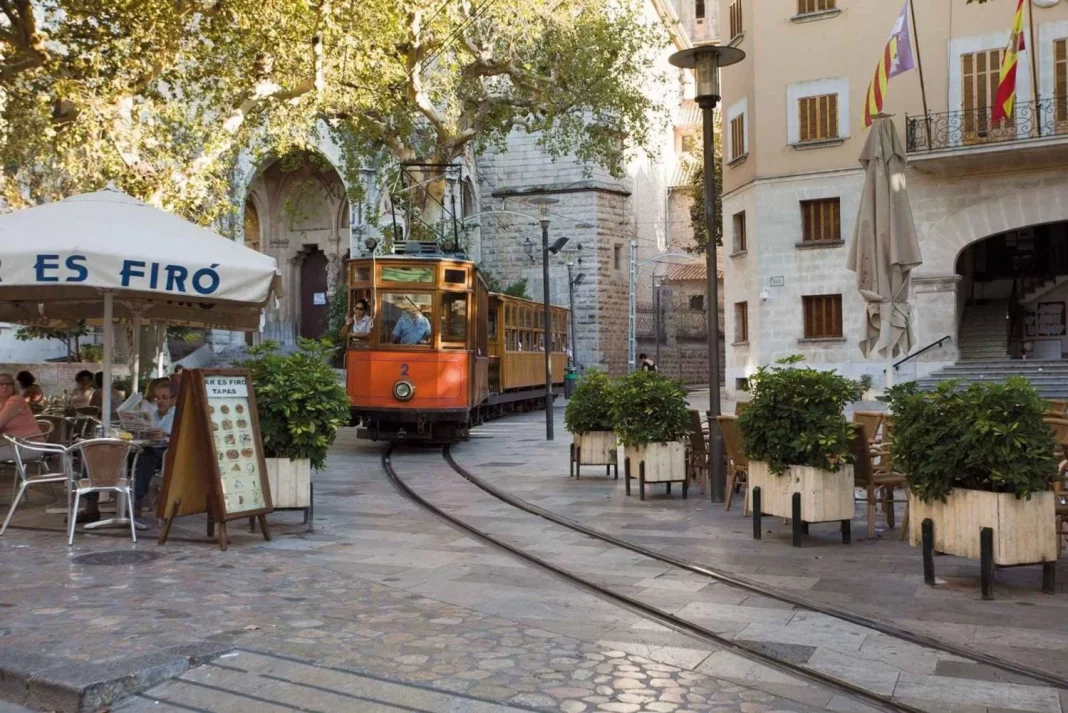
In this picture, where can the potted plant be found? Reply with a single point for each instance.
(650, 419)
(978, 463)
(797, 441)
(588, 418)
(301, 405)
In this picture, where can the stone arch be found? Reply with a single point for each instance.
(987, 216)
(249, 167)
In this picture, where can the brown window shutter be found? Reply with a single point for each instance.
(1060, 81)
(832, 121)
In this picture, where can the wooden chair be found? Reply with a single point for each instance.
(737, 463)
(697, 454)
(872, 481)
(1057, 406)
(871, 422)
(1059, 426)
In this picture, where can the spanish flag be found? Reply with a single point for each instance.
(1006, 96)
(897, 58)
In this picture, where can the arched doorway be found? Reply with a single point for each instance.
(299, 208)
(1014, 294)
(313, 292)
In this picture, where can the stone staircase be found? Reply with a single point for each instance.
(1049, 377)
(984, 332)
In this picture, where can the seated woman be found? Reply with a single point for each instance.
(358, 324)
(83, 391)
(31, 392)
(16, 419)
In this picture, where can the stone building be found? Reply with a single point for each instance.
(990, 199)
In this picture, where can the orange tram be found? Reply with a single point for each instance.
(440, 352)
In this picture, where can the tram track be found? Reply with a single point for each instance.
(652, 613)
(759, 589)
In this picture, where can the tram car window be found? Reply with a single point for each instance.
(454, 320)
(408, 275)
(404, 318)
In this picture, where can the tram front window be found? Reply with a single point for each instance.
(403, 318)
(454, 320)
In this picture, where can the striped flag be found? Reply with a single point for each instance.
(897, 58)
(1006, 96)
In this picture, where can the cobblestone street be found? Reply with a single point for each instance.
(385, 607)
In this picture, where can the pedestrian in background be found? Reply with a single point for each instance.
(645, 363)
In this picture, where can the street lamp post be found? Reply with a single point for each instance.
(571, 282)
(706, 61)
(543, 217)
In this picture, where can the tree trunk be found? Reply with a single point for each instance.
(428, 203)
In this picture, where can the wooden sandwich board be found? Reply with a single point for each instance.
(215, 461)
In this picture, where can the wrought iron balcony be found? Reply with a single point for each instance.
(970, 128)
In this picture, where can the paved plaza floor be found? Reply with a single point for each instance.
(385, 607)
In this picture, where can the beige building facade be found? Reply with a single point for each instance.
(990, 199)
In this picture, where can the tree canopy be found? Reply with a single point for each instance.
(161, 97)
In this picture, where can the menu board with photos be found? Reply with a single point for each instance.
(237, 449)
(215, 462)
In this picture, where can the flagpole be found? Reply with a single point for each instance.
(1032, 50)
(919, 67)
(919, 61)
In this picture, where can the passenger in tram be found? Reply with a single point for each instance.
(412, 327)
(358, 324)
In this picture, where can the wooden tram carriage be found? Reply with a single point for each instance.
(484, 354)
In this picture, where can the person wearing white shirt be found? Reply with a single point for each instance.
(358, 324)
(151, 458)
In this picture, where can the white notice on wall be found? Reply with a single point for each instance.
(319, 298)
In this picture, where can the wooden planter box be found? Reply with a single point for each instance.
(291, 486)
(656, 463)
(803, 494)
(594, 448)
(998, 529)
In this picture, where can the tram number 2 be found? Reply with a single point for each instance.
(404, 370)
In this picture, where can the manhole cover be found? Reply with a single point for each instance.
(117, 557)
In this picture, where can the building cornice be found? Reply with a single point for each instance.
(793, 177)
(549, 189)
(672, 24)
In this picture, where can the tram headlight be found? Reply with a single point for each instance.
(403, 391)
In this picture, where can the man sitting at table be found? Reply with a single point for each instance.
(151, 458)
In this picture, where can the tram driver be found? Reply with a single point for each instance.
(412, 327)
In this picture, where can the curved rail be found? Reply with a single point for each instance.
(748, 585)
(650, 612)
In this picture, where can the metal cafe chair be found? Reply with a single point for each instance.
(105, 467)
(28, 451)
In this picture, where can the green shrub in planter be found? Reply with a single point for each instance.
(795, 417)
(589, 408)
(647, 407)
(299, 400)
(988, 436)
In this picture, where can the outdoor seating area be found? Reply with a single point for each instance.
(880, 486)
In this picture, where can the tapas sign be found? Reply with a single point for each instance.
(215, 463)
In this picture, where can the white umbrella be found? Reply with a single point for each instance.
(885, 248)
(104, 256)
